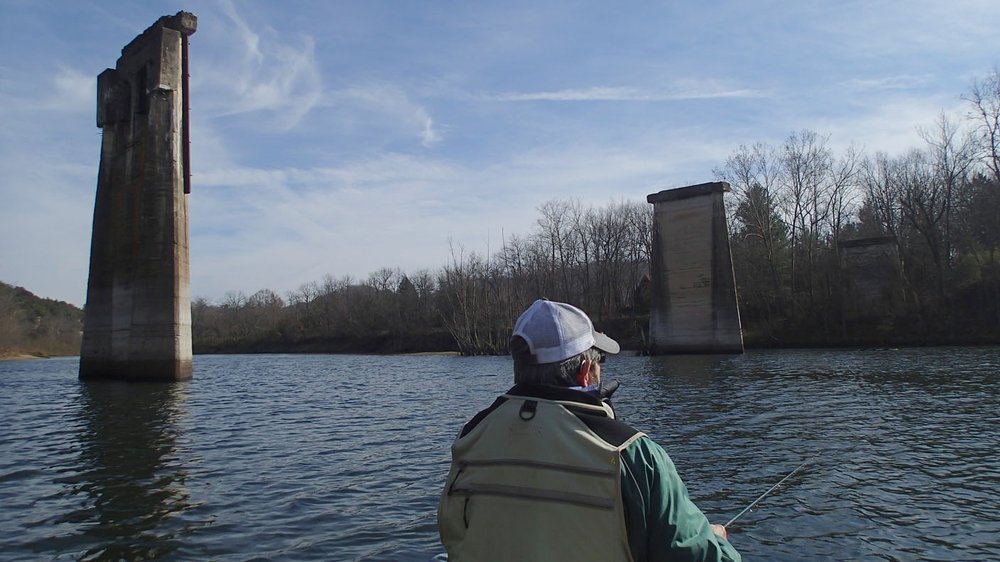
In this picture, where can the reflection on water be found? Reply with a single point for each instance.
(343, 457)
(128, 478)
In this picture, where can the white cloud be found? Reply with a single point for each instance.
(889, 125)
(911, 30)
(66, 91)
(45, 224)
(310, 125)
(48, 184)
(279, 228)
(428, 136)
(277, 83)
(74, 91)
(899, 82)
(387, 104)
(267, 76)
(684, 90)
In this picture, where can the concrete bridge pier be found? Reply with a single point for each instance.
(137, 321)
(694, 308)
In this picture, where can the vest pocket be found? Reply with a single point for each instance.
(479, 478)
(534, 494)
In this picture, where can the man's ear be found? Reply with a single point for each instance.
(583, 375)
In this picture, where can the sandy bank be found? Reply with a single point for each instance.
(15, 356)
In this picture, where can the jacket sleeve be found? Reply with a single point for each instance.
(663, 523)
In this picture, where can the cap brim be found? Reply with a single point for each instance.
(606, 344)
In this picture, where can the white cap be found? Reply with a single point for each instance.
(556, 331)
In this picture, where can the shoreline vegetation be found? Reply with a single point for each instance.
(319, 350)
(34, 327)
(8, 356)
(847, 249)
(346, 318)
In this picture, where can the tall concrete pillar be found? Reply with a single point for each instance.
(871, 269)
(137, 321)
(694, 307)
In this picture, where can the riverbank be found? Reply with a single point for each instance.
(443, 344)
(14, 356)
(384, 343)
(872, 342)
(389, 348)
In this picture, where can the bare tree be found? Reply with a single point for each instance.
(556, 238)
(952, 155)
(465, 290)
(985, 100)
(755, 174)
(880, 194)
(264, 316)
(808, 163)
(385, 279)
(844, 191)
(639, 248)
(924, 205)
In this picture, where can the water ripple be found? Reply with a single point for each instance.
(343, 457)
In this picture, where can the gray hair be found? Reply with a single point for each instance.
(561, 373)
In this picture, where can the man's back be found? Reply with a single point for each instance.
(546, 473)
(526, 473)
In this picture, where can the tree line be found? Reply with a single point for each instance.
(791, 207)
(794, 204)
(595, 257)
(30, 325)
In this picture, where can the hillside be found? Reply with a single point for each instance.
(31, 325)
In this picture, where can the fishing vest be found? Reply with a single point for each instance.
(530, 480)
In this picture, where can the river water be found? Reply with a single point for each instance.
(316, 457)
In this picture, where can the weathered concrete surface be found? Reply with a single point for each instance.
(871, 269)
(694, 308)
(137, 321)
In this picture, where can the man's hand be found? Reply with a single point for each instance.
(719, 530)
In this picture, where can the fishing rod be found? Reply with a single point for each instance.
(762, 496)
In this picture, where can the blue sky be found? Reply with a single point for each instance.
(340, 137)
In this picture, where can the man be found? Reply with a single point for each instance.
(547, 473)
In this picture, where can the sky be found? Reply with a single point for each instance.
(340, 137)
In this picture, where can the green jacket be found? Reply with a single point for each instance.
(660, 520)
(663, 523)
